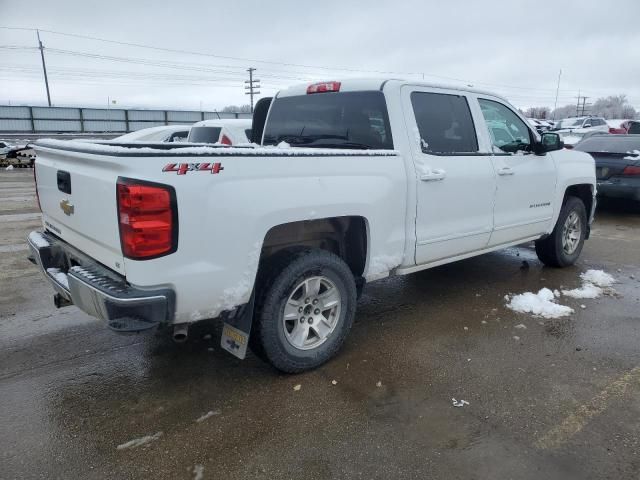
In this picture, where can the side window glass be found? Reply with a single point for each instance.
(509, 134)
(445, 123)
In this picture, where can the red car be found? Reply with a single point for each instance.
(619, 126)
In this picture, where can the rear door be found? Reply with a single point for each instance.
(455, 179)
(526, 183)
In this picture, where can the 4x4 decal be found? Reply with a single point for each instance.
(183, 168)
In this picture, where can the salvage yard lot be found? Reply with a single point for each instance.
(553, 398)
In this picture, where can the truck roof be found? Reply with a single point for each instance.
(360, 84)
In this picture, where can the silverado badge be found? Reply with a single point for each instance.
(66, 207)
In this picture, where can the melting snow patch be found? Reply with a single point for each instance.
(598, 278)
(379, 384)
(297, 387)
(137, 442)
(209, 414)
(460, 403)
(60, 277)
(586, 291)
(10, 167)
(540, 304)
(521, 326)
(198, 472)
(593, 284)
(38, 240)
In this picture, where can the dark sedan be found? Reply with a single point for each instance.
(617, 164)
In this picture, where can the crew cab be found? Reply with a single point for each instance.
(345, 183)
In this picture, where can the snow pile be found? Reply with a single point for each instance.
(540, 304)
(586, 291)
(594, 283)
(10, 167)
(598, 277)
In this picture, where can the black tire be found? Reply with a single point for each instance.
(277, 281)
(550, 249)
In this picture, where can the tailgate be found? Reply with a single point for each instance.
(77, 194)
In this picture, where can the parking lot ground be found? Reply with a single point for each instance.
(559, 399)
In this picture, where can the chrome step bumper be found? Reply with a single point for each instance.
(97, 290)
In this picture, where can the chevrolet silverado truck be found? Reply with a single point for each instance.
(344, 183)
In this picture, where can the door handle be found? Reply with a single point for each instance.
(433, 175)
(506, 171)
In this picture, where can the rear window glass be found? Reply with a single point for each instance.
(606, 143)
(330, 120)
(204, 134)
(444, 122)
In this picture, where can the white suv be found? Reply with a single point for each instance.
(572, 130)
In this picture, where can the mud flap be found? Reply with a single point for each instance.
(236, 330)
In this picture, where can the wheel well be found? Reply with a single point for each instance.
(584, 192)
(344, 236)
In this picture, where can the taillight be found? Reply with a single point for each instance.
(631, 170)
(226, 140)
(323, 87)
(35, 181)
(148, 219)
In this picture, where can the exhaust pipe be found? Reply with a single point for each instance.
(180, 332)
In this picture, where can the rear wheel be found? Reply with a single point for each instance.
(563, 246)
(305, 309)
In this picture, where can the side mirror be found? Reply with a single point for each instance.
(550, 142)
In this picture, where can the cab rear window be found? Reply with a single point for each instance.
(204, 134)
(330, 120)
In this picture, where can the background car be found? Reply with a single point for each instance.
(617, 125)
(165, 133)
(574, 129)
(634, 128)
(540, 125)
(617, 164)
(225, 131)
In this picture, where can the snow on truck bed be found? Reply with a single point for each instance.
(179, 149)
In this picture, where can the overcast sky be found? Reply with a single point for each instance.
(515, 48)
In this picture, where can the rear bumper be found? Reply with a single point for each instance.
(619, 187)
(95, 289)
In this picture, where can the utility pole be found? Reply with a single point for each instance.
(44, 67)
(581, 106)
(252, 86)
(555, 105)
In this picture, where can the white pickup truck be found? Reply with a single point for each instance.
(353, 181)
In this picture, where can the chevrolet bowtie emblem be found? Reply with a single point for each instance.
(66, 207)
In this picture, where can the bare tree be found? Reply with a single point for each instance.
(615, 106)
(237, 109)
(538, 112)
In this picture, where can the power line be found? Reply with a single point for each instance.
(271, 62)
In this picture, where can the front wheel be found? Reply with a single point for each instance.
(305, 309)
(563, 246)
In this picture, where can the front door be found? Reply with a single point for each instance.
(526, 182)
(455, 180)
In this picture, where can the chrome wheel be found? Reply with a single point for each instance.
(311, 313)
(571, 233)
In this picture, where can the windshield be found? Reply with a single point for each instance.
(330, 120)
(204, 134)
